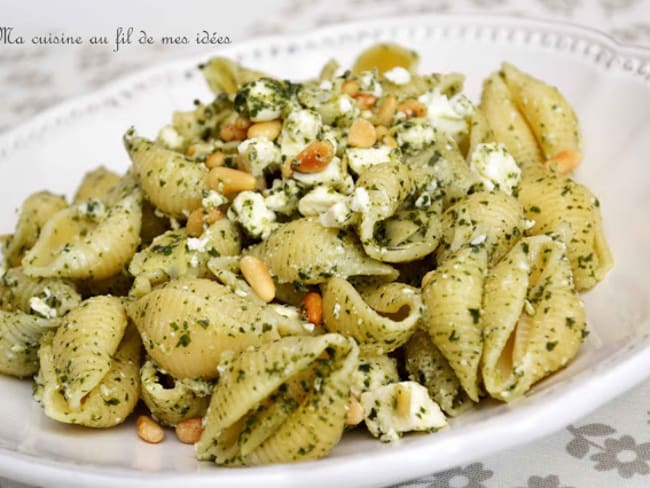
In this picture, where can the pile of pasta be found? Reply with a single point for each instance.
(291, 260)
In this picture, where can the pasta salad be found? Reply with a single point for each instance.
(292, 260)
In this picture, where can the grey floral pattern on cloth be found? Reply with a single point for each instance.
(551, 481)
(470, 476)
(622, 454)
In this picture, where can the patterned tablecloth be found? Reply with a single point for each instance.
(610, 447)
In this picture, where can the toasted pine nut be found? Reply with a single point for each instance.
(355, 411)
(200, 216)
(365, 100)
(412, 108)
(362, 134)
(270, 129)
(215, 159)
(565, 161)
(189, 431)
(389, 141)
(381, 131)
(257, 275)
(191, 150)
(231, 133)
(194, 225)
(350, 87)
(228, 180)
(314, 158)
(386, 110)
(312, 307)
(242, 123)
(148, 430)
(403, 396)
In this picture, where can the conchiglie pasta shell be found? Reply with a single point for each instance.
(380, 319)
(188, 323)
(73, 245)
(533, 319)
(549, 115)
(225, 75)
(109, 403)
(172, 403)
(494, 219)
(310, 430)
(169, 255)
(563, 207)
(96, 184)
(17, 291)
(385, 56)
(406, 235)
(452, 294)
(507, 123)
(19, 338)
(171, 181)
(427, 365)
(83, 347)
(35, 212)
(306, 252)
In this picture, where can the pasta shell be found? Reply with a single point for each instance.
(304, 251)
(380, 319)
(188, 323)
(312, 418)
(18, 292)
(452, 294)
(106, 405)
(427, 365)
(560, 206)
(171, 400)
(171, 181)
(35, 212)
(19, 338)
(90, 240)
(224, 75)
(95, 184)
(83, 347)
(175, 255)
(549, 114)
(494, 219)
(384, 57)
(391, 234)
(533, 320)
(508, 124)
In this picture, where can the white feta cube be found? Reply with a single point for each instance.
(258, 154)
(398, 75)
(249, 210)
(495, 167)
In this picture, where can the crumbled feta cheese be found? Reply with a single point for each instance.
(529, 224)
(40, 307)
(337, 310)
(261, 100)
(299, 129)
(398, 75)
(319, 200)
(369, 83)
(287, 311)
(338, 215)
(333, 174)
(92, 209)
(258, 153)
(248, 208)
(212, 198)
(393, 409)
(359, 159)
(495, 167)
(446, 115)
(413, 136)
(198, 244)
(170, 138)
(478, 240)
(282, 197)
(428, 195)
(360, 201)
(325, 85)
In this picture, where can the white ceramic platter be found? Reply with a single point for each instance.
(609, 86)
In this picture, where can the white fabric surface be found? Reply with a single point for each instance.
(610, 447)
